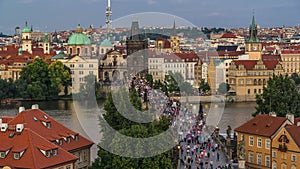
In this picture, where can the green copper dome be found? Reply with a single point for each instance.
(26, 30)
(106, 43)
(79, 38)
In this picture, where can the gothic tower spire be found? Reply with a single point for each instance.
(253, 31)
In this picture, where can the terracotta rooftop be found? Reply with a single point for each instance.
(228, 35)
(294, 131)
(30, 146)
(36, 120)
(249, 64)
(262, 125)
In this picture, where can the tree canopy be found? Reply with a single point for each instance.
(38, 81)
(280, 96)
(223, 88)
(204, 87)
(129, 128)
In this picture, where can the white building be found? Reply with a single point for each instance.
(80, 68)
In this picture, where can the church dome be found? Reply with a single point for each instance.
(79, 38)
(106, 43)
(26, 30)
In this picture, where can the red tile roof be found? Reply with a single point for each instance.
(228, 35)
(249, 64)
(262, 125)
(55, 132)
(294, 131)
(31, 143)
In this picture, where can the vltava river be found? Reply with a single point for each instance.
(233, 114)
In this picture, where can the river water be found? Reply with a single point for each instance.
(233, 114)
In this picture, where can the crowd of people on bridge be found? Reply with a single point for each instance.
(198, 149)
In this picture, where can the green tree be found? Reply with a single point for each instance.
(60, 78)
(7, 89)
(223, 88)
(280, 96)
(296, 78)
(132, 129)
(149, 79)
(36, 80)
(204, 87)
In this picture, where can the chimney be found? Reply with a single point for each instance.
(273, 114)
(19, 128)
(0, 121)
(21, 109)
(4, 127)
(35, 106)
(298, 123)
(290, 117)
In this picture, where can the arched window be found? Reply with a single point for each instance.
(78, 51)
(102, 51)
(71, 51)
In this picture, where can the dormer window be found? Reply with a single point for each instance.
(76, 138)
(68, 140)
(48, 154)
(46, 124)
(2, 154)
(17, 156)
(60, 142)
(54, 152)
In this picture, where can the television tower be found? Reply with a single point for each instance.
(108, 17)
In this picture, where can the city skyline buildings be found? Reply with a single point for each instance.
(63, 15)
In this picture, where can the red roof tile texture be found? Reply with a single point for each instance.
(249, 64)
(32, 144)
(35, 119)
(262, 125)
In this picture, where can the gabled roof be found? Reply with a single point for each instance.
(250, 64)
(34, 120)
(294, 131)
(262, 125)
(32, 143)
(228, 35)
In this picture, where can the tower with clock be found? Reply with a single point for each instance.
(253, 44)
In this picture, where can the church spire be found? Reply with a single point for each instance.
(174, 29)
(253, 31)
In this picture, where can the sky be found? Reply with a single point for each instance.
(51, 15)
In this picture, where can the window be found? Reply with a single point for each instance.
(81, 72)
(250, 157)
(268, 164)
(68, 140)
(268, 143)
(48, 154)
(71, 65)
(80, 65)
(54, 152)
(254, 91)
(91, 65)
(2, 154)
(79, 157)
(259, 142)
(250, 141)
(248, 91)
(293, 158)
(84, 156)
(259, 159)
(274, 165)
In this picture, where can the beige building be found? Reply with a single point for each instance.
(80, 68)
(290, 61)
(248, 77)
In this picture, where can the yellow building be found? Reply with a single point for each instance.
(290, 61)
(286, 147)
(248, 77)
(260, 135)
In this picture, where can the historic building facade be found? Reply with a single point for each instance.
(248, 77)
